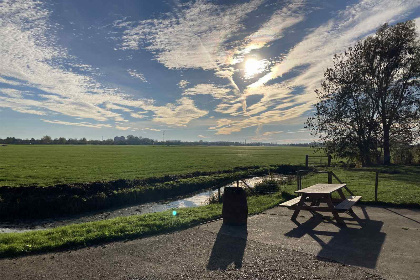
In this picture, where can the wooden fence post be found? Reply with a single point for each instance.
(307, 161)
(376, 185)
(298, 179)
(218, 193)
(329, 160)
(329, 177)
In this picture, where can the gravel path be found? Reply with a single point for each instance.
(196, 253)
(384, 243)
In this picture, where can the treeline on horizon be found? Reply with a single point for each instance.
(135, 140)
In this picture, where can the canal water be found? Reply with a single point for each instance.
(194, 200)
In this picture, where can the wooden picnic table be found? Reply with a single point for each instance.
(312, 197)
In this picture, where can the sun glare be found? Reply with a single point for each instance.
(253, 67)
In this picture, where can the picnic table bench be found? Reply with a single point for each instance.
(313, 196)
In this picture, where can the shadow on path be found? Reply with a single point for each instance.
(402, 215)
(358, 242)
(228, 248)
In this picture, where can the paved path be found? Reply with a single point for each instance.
(385, 243)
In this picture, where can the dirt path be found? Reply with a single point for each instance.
(272, 247)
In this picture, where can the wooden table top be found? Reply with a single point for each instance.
(321, 188)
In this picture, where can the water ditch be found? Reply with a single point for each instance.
(193, 200)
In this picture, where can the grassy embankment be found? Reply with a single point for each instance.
(81, 235)
(59, 200)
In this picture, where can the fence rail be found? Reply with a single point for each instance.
(331, 175)
(301, 173)
(313, 162)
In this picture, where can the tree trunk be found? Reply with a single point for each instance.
(387, 153)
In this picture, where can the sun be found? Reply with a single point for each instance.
(254, 66)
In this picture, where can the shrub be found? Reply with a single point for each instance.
(267, 186)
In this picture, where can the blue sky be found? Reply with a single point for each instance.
(197, 70)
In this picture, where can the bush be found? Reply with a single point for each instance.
(267, 186)
(404, 154)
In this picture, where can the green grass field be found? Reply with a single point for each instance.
(398, 185)
(47, 165)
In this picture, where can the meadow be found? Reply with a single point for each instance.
(40, 166)
(397, 185)
(46, 165)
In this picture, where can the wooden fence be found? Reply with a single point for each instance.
(317, 160)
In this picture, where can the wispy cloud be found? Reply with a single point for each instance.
(183, 83)
(84, 124)
(136, 74)
(272, 30)
(217, 91)
(269, 133)
(152, 129)
(119, 127)
(279, 102)
(178, 114)
(192, 38)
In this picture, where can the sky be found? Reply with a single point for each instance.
(192, 70)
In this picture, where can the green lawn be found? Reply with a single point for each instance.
(46, 165)
(397, 184)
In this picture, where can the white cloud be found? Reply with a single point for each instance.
(218, 92)
(183, 83)
(178, 114)
(30, 57)
(84, 124)
(417, 22)
(272, 30)
(122, 127)
(269, 133)
(193, 37)
(151, 129)
(314, 52)
(139, 115)
(28, 54)
(136, 74)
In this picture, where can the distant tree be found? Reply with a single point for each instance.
(108, 142)
(62, 140)
(370, 97)
(119, 140)
(83, 141)
(46, 140)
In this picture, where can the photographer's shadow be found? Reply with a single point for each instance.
(228, 248)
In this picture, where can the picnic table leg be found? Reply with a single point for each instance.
(315, 202)
(340, 192)
(298, 207)
(334, 212)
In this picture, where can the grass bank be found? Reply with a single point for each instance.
(86, 234)
(59, 200)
